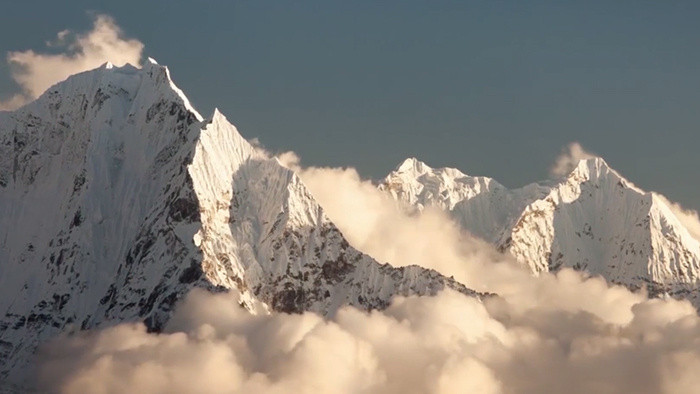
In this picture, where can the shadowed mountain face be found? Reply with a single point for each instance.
(117, 198)
(592, 220)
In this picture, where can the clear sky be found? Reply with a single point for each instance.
(491, 87)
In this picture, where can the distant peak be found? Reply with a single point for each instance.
(413, 167)
(594, 167)
(593, 163)
(412, 164)
(151, 60)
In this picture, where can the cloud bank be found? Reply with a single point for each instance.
(35, 72)
(444, 344)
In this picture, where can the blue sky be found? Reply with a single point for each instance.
(494, 88)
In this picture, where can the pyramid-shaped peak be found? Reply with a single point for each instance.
(597, 170)
(218, 116)
(597, 161)
(412, 165)
(593, 166)
(414, 168)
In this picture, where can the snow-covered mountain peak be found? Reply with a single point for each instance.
(218, 118)
(155, 69)
(117, 198)
(595, 165)
(124, 87)
(592, 169)
(421, 185)
(594, 172)
(412, 166)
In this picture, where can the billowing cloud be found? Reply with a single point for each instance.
(569, 158)
(444, 344)
(35, 72)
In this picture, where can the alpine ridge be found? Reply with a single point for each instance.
(117, 197)
(592, 220)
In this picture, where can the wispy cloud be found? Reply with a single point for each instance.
(35, 72)
(569, 158)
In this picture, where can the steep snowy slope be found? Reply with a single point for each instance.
(117, 197)
(592, 220)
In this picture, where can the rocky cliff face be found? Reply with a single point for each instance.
(117, 198)
(593, 220)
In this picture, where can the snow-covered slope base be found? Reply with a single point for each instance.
(592, 220)
(117, 197)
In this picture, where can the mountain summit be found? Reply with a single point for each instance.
(593, 220)
(117, 197)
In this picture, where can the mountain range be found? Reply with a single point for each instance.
(592, 220)
(117, 197)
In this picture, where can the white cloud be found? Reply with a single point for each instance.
(35, 72)
(444, 344)
(569, 158)
(290, 160)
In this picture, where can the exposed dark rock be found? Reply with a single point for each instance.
(191, 273)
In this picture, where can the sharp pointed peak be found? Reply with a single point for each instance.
(217, 114)
(217, 117)
(414, 167)
(592, 165)
(412, 164)
(218, 121)
(153, 67)
(597, 169)
(151, 64)
(594, 162)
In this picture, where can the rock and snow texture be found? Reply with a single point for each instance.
(117, 198)
(592, 220)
